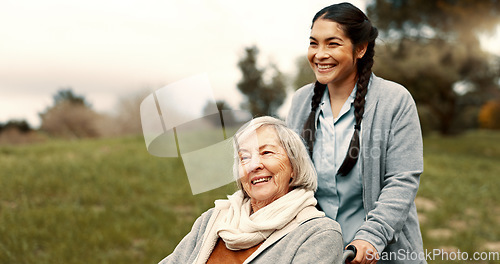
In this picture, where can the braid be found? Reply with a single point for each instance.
(309, 130)
(365, 70)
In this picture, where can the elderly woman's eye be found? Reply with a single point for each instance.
(244, 157)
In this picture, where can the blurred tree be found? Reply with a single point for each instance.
(20, 125)
(432, 47)
(128, 116)
(70, 117)
(263, 98)
(221, 105)
(305, 74)
(452, 19)
(16, 132)
(66, 95)
(228, 117)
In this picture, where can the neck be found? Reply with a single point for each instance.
(257, 205)
(342, 90)
(339, 95)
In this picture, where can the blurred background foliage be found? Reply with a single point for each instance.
(433, 49)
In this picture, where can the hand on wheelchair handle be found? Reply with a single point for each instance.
(349, 253)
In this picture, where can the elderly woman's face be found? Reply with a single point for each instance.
(264, 170)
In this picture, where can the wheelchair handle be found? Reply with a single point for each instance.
(349, 253)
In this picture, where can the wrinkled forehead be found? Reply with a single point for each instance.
(255, 138)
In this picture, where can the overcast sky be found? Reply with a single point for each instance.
(108, 49)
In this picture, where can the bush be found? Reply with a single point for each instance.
(489, 115)
(20, 125)
(16, 132)
(14, 136)
(128, 116)
(70, 120)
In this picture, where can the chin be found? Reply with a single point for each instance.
(323, 80)
(263, 196)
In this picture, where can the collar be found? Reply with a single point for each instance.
(326, 97)
(325, 105)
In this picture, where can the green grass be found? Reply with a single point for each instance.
(94, 201)
(110, 201)
(462, 179)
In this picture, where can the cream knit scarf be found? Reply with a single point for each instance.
(240, 230)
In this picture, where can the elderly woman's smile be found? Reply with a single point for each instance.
(257, 180)
(264, 170)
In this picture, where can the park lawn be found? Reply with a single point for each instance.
(110, 201)
(460, 194)
(94, 201)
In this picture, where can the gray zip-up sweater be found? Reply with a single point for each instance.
(391, 163)
(304, 240)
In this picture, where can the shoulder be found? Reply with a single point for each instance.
(387, 96)
(302, 97)
(300, 107)
(317, 232)
(202, 221)
(314, 232)
(387, 90)
(304, 91)
(321, 224)
(317, 240)
(207, 214)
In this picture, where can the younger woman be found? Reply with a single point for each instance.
(364, 136)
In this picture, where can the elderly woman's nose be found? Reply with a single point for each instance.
(254, 163)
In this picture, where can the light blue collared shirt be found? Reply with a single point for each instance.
(340, 197)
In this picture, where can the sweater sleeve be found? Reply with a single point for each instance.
(324, 247)
(403, 164)
(187, 250)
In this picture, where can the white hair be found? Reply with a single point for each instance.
(305, 176)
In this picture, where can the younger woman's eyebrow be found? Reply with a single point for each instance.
(328, 39)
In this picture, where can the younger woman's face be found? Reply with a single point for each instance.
(330, 54)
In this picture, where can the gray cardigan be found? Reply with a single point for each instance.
(304, 240)
(391, 163)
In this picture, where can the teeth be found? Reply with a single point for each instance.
(325, 66)
(261, 180)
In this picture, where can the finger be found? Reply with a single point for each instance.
(359, 258)
(367, 259)
(353, 261)
(371, 259)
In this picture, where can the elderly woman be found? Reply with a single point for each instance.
(272, 218)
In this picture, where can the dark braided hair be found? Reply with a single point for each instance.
(359, 30)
